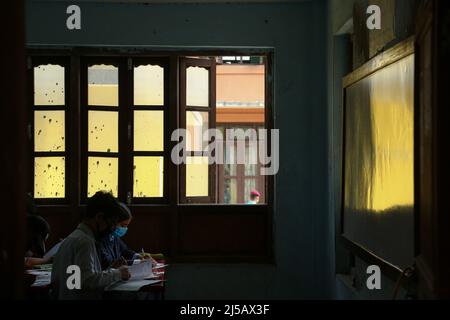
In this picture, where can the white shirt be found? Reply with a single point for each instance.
(79, 249)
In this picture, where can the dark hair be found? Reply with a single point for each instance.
(125, 212)
(106, 203)
(38, 225)
(37, 231)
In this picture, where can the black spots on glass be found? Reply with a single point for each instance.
(109, 150)
(39, 132)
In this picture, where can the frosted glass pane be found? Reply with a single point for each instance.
(197, 176)
(230, 191)
(49, 177)
(103, 85)
(103, 131)
(49, 134)
(49, 85)
(197, 87)
(148, 130)
(148, 85)
(148, 177)
(196, 125)
(102, 175)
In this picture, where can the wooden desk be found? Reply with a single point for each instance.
(41, 290)
(158, 289)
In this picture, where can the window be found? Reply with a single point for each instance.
(124, 111)
(197, 103)
(115, 133)
(48, 129)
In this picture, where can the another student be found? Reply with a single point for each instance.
(113, 252)
(38, 231)
(79, 249)
(254, 197)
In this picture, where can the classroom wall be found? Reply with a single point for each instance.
(398, 17)
(303, 244)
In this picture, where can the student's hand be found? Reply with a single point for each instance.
(145, 256)
(48, 260)
(124, 273)
(117, 263)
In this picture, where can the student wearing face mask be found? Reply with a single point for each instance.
(37, 233)
(79, 249)
(112, 251)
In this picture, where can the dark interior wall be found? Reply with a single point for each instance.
(302, 240)
(351, 276)
(13, 141)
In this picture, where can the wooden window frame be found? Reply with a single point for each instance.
(210, 65)
(171, 215)
(65, 63)
(87, 62)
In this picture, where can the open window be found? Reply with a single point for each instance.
(197, 115)
(117, 135)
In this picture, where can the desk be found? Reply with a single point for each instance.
(38, 285)
(139, 289)
(158, 289)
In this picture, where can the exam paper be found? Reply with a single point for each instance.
(130, 285)
(141, 270)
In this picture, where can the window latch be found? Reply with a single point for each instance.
(129, 198)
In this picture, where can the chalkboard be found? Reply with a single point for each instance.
(378, 162)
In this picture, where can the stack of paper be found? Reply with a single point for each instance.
(43, 278)
(130, 285)
(141, 270)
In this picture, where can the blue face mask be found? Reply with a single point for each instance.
(119, 232)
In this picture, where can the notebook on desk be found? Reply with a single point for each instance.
(131, 285)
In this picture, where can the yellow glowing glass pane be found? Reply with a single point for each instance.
(197, 176)
(102, 175)
(148, 86)
(148, 130)
(148, 177)
(103, 85)
(380, 165)
(49, 85)
(103, 131)
(49, 134)
(49, 177)
(196, 125)
(197, 87)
